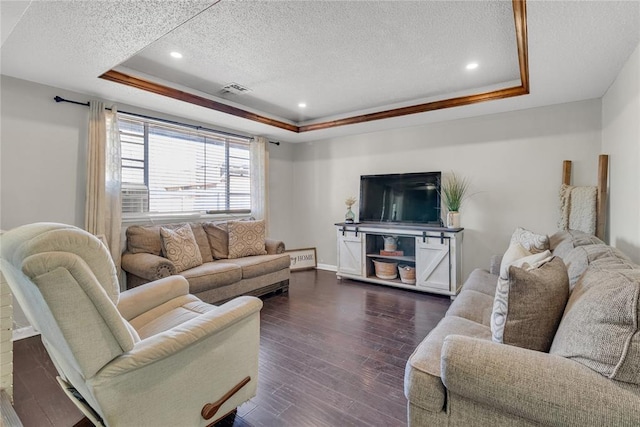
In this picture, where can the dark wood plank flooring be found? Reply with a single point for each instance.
(331, 353)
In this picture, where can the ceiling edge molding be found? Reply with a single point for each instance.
(520, 21)
(149, 86)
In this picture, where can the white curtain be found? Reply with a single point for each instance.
(259, 180)
(104, 204)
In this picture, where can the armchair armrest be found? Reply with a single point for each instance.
(541, 387)
(170, 342)
(148, 266)
(274, 246)
(143, 298)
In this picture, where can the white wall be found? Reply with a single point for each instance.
(42, 156)
(621, 140)
(514, 160)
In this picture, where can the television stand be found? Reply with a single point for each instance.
(434, 251)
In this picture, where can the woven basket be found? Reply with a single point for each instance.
(407, 274)
(386, 269)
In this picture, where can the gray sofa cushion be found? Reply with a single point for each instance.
(473, 305)
(218, 236)
(600, 325)
(144, 239)
(422, 383)
(259, 265)
(580, 257)
(565, 241)
(212, 275)
(481, 281)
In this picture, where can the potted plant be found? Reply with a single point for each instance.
(453, 191)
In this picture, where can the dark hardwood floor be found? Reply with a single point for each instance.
(332, 353)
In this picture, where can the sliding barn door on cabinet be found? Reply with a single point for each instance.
(350, 252)
(433, 263)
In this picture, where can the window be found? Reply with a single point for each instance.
(170, 169)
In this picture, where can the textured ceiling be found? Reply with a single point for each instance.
(338, 57)
(359, 55)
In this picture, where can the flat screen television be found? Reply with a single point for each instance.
(412, 198)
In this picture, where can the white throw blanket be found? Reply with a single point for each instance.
(578, 208)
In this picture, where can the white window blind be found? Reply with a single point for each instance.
(171, 169)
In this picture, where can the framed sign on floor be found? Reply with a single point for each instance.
(302, 259)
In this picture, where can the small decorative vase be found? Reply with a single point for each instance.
(349, 217)
(453, 219)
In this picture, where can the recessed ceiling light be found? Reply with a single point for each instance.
(472, 66)
(176, 55)
(302, 105)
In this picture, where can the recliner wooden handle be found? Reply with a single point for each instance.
(210, 409)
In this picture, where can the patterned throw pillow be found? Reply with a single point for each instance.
(529, 240)
(513, 254)
(180, 247)
(246, 238)
(529, 302)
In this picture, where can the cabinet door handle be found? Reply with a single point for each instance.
(424, 237)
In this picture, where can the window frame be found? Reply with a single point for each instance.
(208, 136)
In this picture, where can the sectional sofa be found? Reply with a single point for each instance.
(568, 353)
(220, 260)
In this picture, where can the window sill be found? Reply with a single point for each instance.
(143, 219)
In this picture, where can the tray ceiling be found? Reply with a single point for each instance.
(343, 59)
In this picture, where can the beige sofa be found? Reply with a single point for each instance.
(458, 375)
(218, 278)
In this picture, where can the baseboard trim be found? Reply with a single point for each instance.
(25, 332)
(327, 267)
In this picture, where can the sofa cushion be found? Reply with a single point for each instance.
(529, 240)
(218, 237)
(567, 240)
(246, 238)
(529, 303)
(472, 305)
(481, 281)
(212, 275)
(144, 239)
(580, 257)
(202, 241)
(600, 324)
(180, 247)
(422, 383)
(147, 239)
(254, 266)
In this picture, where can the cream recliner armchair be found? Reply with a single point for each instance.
(151, 356)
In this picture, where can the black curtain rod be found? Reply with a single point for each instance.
(86, 104)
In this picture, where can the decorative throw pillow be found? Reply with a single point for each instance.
(600, 327)
(515, 252)
(246, 238)
(529, 302)
(180, 247)
(218, 236)
(529, 240)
